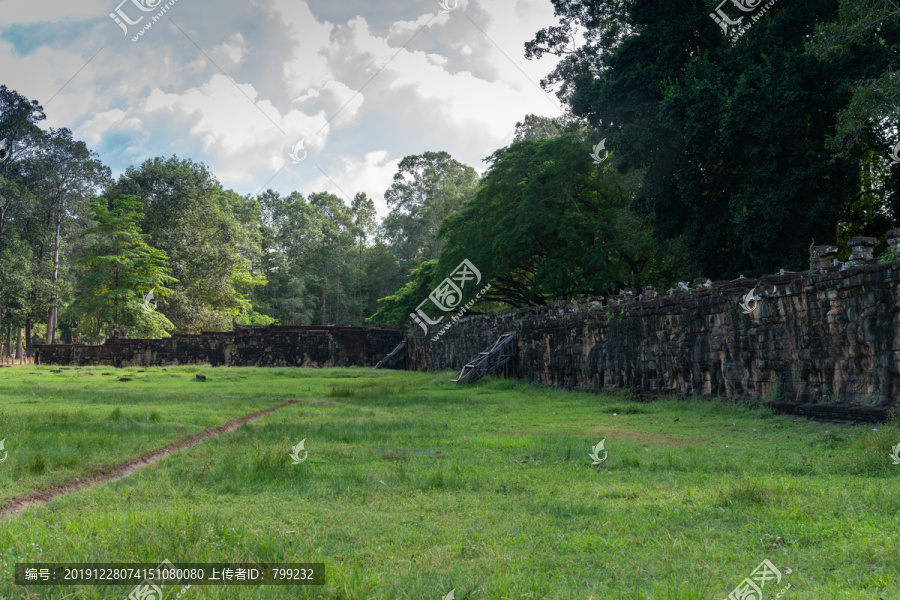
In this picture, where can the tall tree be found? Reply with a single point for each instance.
(364, 221)
(730, 137)
(69, 174)
(18, 134)
(334, 233)
(321, 261)
(210, 235)
(18, 128)
(426, 189)
(866, 35)
(290, 226)
(545, 223)
(122, 271)
(867, 30)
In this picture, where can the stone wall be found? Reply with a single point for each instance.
(244, 347)
(828, 338)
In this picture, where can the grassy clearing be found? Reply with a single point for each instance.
(415, 486)
(65, 423)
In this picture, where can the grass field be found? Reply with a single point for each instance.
(415, 487)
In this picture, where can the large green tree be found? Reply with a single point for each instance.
(730, 137)
(67, 174)
(121, 271)
(20, 227)
(426, 189)
(322, 259)
(210, 235)
(867, 34)
(285, 297)
(545, 223)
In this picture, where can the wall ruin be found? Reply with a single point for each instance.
(827, 338)
(244, 347)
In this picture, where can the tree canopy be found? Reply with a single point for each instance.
(121, 273)
(682, 152)
(545, 223)
(427, 188)
(731, 138)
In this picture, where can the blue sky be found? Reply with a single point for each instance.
(237, 83)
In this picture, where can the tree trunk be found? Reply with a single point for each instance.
(9, 342)
(324, 316)
(359, 286)
(29, 346)
(29, 322)
(50, 338)
(52, 312)
(19, 344)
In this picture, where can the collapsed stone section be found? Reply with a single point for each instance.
(244, 347)
(826, 337)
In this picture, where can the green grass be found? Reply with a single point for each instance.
(60, 424)
(415, 486)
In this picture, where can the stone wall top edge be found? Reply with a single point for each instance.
(787, 285)
(261, 332)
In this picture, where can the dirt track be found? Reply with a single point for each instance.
(16, 505)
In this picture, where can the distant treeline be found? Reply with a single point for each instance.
(683, 152)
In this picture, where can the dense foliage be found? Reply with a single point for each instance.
(683, 152)
(122, 273)
(545, 223)
(733, 138)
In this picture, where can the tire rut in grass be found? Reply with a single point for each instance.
(16, 505)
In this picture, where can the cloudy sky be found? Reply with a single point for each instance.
(237, 84)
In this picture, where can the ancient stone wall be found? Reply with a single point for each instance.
(244, 347)
(827, 338)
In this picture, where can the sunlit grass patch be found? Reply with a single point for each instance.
(414, 486)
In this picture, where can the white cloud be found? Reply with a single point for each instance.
(347, 102)
(232, 51)
(235, 125)
(372, 175)
(115, 120)
(307, 66)
(401, 31)
(358, 99)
